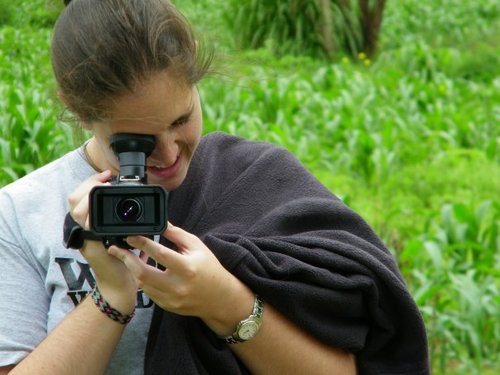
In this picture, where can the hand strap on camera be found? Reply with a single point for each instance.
(74, 235)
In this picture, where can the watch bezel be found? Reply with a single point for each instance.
(242, 332)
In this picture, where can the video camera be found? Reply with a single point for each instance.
(128, 206)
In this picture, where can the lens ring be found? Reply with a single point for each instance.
(129, 209)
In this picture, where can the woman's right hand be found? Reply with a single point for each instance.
(116, 283)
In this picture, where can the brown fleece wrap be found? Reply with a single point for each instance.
(281, 232)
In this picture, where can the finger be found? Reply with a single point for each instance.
(157, 292)
(168, 258)
(149, 278)
(142, 272)
(84, 188)
(78, 200)
(80, 213)
(184, 240)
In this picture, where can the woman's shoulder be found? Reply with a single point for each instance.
(226, 162)
(39, 199)
(235, 151)
(233, 142)
(51, 179)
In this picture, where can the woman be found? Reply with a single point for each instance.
(261, 269)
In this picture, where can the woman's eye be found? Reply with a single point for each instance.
(181, 121)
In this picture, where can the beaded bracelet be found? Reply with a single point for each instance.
(108, 310)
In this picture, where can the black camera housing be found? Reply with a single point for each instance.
(129, 206)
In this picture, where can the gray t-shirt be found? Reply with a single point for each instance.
(40, 280)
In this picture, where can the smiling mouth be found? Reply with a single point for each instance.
(160, 166)
(162, 171)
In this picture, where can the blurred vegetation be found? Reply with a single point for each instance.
(324, 28)
(409, 138)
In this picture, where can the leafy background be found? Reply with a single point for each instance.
(410, 139)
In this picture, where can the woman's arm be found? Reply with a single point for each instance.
(195, 283)
(86, 338)
(81, 344)
(282, 348)
(279, 347)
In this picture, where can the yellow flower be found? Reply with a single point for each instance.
(345, 60)
(367, 62)
(362, 56)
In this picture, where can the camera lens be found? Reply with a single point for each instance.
(129, 209)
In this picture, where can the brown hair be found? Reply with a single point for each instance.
(101, 49)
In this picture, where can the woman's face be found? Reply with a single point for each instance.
(165, 107)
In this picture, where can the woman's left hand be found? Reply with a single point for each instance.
(193, 283)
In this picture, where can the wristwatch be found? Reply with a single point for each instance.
(74, 235)
(248, 328)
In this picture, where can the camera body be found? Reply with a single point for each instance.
(129, 206)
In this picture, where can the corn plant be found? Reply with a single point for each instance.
(30, 134)
(456, 282)
(440, 22)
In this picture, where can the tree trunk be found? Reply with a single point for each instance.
(326, 28)
(371, 22)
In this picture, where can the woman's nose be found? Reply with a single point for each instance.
(166, 150)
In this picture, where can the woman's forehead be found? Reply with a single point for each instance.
(161, 97)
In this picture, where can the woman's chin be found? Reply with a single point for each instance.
(171, 182)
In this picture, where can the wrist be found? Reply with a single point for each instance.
(111, 312)
(120, 299)
(247, 328)
(238, 304)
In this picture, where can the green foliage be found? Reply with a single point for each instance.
(30, 135)
(455, 277)
(288, 26)
(35, 13)
(411, 141)
(6, 12)
(299, 27)
(367, 118)
(438, 22)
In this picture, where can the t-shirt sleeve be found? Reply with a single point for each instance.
(23, 299)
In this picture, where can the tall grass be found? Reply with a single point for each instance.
(438, 22)
(30, 134)
(410, 140)
(456, 276)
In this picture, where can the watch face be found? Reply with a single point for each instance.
(248, 330)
